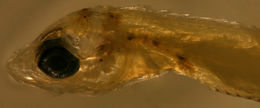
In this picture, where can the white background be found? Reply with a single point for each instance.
(23, 20)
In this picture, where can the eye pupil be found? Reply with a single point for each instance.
(58, 62)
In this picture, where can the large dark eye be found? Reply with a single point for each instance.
(57, 62)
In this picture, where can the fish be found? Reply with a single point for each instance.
(101, 49)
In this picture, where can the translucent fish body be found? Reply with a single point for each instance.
(118, 46)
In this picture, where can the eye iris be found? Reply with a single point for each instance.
(58, 62)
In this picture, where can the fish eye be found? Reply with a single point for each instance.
(56, 61)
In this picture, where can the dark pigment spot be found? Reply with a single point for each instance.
(228, 93)
(249, 97)
(111, 15)
(130, 37)
(85, 9)
(180, 57)
(155, 43)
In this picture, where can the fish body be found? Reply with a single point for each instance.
(120, 46)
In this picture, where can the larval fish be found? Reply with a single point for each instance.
(100, 49)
